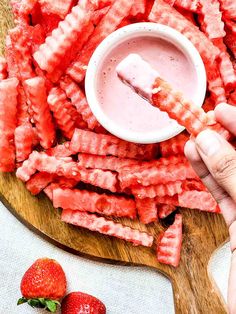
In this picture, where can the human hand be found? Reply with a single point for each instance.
(214, 160)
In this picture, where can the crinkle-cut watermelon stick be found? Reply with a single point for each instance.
(60, 107)
(164, 14)
(62, 166)
(160, 94)
(102, 144)
(201, 200)
(190, 5)
(62, 38)
(152, 191)
(131, 174)
(211, 23)
(215, 83)
(105, 162)
(22, 107)
(104, 179)
(3, 68)
(36, 93)
(8, 109)
(155, 163)
(60, 150)
(58, 7)
(28, 167)
(228, 8)
(11, 64)
(174, 146)
(24, 136)
(164, 210)
(109, 23)
(107, 227)
(170, 242)
(7, 155)
(78, 99)
(22, 53)
(226, 69)
(39, 181)
(161, 174)
(147, 210)
(28, 96)
(70, 55)
(109, 205)
(193, 118)
(138, 7)
(227, 72)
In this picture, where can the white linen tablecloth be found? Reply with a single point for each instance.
(124, 290)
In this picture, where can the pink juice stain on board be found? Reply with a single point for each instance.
(126, 108)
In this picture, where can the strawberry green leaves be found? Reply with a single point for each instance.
(41, 303)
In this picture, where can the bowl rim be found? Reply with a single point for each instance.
(108, 44)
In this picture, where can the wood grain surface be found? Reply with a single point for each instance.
(194, 290)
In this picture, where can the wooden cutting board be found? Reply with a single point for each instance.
(194, 290)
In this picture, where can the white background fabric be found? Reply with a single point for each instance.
(124, 290)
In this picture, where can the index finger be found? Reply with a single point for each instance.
(226, 115)
(227, 205)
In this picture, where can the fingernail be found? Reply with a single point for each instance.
(208, 142)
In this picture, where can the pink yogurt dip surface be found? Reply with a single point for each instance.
(122, 105)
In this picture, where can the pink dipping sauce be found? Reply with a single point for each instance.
(122, 105)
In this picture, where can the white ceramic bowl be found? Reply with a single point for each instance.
(130, 32)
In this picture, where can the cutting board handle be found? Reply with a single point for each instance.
(195, 293)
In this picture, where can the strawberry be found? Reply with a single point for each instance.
(43, 284)
(78, 302)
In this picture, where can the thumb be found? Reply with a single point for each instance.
(220, 158)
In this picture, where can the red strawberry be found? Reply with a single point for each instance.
(43, 284)
(78, 302)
